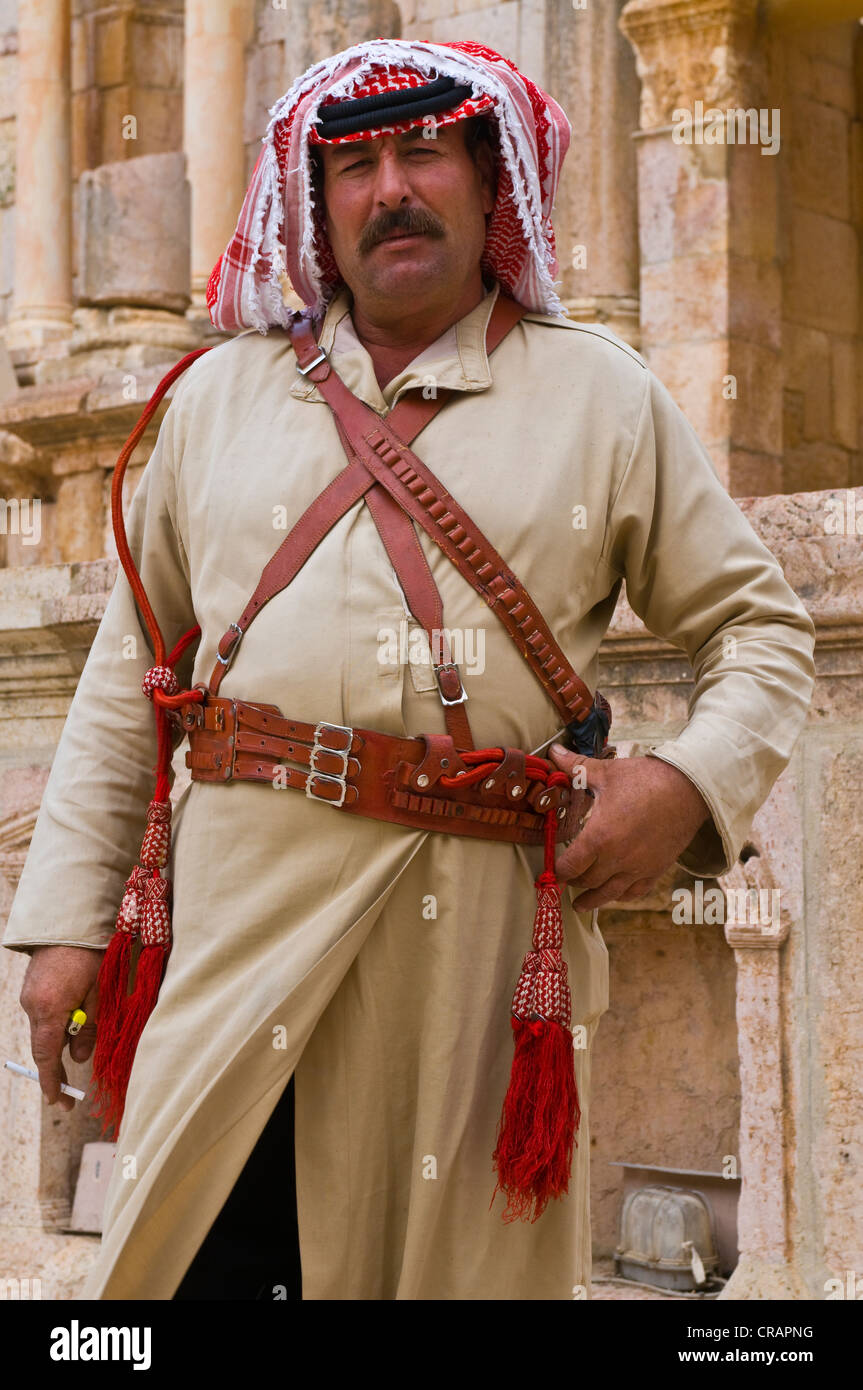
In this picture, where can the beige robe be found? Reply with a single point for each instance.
(374, 961)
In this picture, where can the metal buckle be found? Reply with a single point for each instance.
(340, 778)
(226, 660)
(321, 357)
(319, 747)
(449, 666)
(326, 777)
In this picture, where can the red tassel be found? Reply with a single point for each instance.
(541, 1112)
(114, 988)
(145, 914)
(141, 1002)
(540, 1117)
(113, 985)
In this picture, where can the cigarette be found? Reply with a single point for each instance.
(17, 1068)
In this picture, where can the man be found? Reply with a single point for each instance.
(367, 960)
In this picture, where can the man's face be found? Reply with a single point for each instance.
(405, 214)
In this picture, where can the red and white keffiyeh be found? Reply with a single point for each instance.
(280, 230)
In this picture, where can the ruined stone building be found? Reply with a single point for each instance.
(729, 252)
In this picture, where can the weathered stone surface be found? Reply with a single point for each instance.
(817, 465)
(500, 26)
(156, 51)
(756, 422)
(265, 83)
(79, 500)
(8, 84)
(695, 374)
(111, 43)
(819, 158)
(216, 35)
(750, 470)
(690, 51)
(695, 294)
(846, 370)
(822, 276)
(664, 1072)
(755, 303)
(134, 246)
(8, 16)
(581, 52)
(83, 73)
(826, 1000)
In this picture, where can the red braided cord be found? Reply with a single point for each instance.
(118, 523)
(182, 696)
(555, 778)
(161, 701)
(488, 758)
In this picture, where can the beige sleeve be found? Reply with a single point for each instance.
(93, 812)
(698, 575)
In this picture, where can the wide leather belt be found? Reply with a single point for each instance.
(409, 781)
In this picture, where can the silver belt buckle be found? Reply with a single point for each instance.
(326, 777)
(340, 778)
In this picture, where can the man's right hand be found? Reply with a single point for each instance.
(58, 980)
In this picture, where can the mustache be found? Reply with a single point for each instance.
(399, 220)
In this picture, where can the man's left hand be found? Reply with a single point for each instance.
(644, 814)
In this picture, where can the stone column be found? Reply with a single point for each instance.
(42, 308)
(764, 903)
(708, 210)
(217, 32)
(591, 71)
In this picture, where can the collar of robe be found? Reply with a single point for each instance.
(456, 361)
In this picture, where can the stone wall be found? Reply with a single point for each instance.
(127, 80)
(666, 1084)
(289, 37)
(821, 77)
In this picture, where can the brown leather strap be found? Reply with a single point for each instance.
(320, 516)
(420, 493)
(402, 544)
(336, 499)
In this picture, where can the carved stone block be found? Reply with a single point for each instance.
(134, 234)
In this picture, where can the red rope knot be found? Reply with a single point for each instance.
(557, 778)
(156, 845)
(159, 678)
